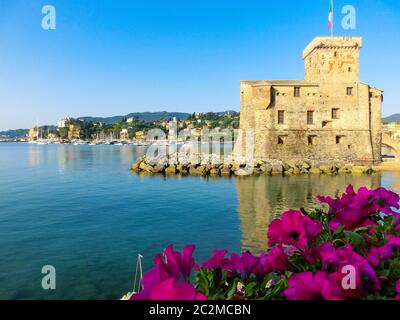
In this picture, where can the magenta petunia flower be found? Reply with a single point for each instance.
(397, 290)
(218, 261)
(312, 286)
(378, 254)
(293, 229)
(245, 264)
(351, 219)
(175, 264)
(386, 200)
(394, 241)
(170, 289)
(276, 260)
(353, 209)
(335, 205)
(171, 264)
(344, 256)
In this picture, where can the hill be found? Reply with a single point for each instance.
(392, 118)
(144, 116)
(12, 134)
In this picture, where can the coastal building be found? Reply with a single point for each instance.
(140, 135)
(33, 134)
(125, 133)
(329, 116)
(63, 123)
(130, 120)
(73, 132)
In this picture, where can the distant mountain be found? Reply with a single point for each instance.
(392, 118)
(144, 116)
(12, 134)
(21, 133)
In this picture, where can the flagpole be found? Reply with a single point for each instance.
(333, 15)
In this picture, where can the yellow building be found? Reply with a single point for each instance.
(73, 132)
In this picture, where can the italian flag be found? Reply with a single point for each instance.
(330, 16)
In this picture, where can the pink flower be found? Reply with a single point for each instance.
(175, 264)
(384, 252)
(170, 265)
(218, 261)
(386, 200)
(276, 260)
(354, 210)
(344, 256)
(394, 241)
(245, 264)
(378, 254)
(397, 290)
(337, 204)
(293, 229)
(170, 289)
(351, 219)
(312, 286)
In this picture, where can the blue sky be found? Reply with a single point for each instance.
(114, 57)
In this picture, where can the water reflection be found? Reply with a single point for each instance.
(262, 198)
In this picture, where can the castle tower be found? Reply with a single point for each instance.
(330, 116)
(333, 60)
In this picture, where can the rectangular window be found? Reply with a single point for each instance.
(297, 91)
(349, 91)
(312, 140)
(310, 117)
(339, 139)
(281, 139)
(281, 117)
(335, 113)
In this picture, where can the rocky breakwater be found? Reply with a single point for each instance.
(213, 165)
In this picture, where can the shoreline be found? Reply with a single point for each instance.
(212, 165)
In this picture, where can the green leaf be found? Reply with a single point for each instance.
(355, 238)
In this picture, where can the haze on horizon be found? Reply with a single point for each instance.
(113, 58)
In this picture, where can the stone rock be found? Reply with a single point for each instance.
(225, 171)
(343, 171)
(289, 172)
(314, 170)
(145, 167)
(286, 166)
(326, 169)
(182, 169)
(296, 171)
(197, 170)
(214, 172)
(171, 169)
(265, 168)
(305, 165)
(276, 168)
(158, 168)
(242, 172)
(359, 170)
(135, 167)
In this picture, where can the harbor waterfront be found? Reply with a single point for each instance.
(80, 209)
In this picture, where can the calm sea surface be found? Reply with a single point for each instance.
(80, 209)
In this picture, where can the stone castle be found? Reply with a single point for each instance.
(329, 116)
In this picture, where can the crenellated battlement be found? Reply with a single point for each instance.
(333, 43)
